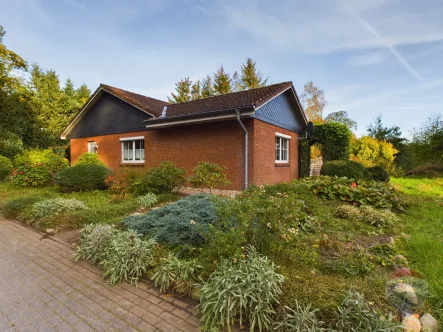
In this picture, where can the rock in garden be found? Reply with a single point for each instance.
(135, 214)
(50, 231)
(411, 324)
(408, 291)
(428, 323)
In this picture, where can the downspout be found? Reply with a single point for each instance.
(246, 147)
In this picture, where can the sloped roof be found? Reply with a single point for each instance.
(147, 104)
(235, 100)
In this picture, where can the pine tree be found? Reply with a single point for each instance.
(222, 82)
(183, 91)
(236, 82)
(250, 77)
(207, 89)
(196, 92)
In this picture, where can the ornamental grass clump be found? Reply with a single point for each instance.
(355, 314)
(299, 319)
(94, 242)
(245, 292)
(54, 206)
(127, 257)
(178, 275)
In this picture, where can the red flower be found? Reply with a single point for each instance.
(353, 185)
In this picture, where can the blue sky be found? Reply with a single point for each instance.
(369, 56)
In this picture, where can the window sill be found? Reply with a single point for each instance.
(282, 164)
(132, 163)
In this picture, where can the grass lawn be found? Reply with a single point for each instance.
(424, 222)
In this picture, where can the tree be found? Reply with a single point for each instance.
(250, 77)
(343, 118)
(207, 89)
(222, 82)
(196, 92)
(314, 102)
(183, 91)
(427, 141)
(390, 134)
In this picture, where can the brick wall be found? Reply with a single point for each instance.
(265, 170)
(221, 143)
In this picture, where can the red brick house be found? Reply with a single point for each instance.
(254, 133)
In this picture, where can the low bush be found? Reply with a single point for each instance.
(208, 175)
(299, 319)
(54, 206)
(82, 178)
(52, 161)
(377, 173)
(367, 214)
(245, 292)
(266, 217)
(147, 201)
(376, 194)
(166, 198)
(5, 168)
(181, 223)
(94, 242)
(178, 275)
(160, 180)
(36, 175)
(343, 168)
(89, 158)
(429, 170)
(127, 257)
(355, 314)
(13, 208)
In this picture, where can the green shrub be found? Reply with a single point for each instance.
(377, 173)
(299, 319)
(10, 144)
(160, 180)
(378, 218)
(89, 158)
(355, 314)
(94, 242)
(305, 158)
(37, 175)
(14, 207)
(343, 168)
(347, 211)
(208, 175)
(245, 292)
(376, 194)
(48, 159)
(82, 178)
(5, 168)
(54, 206)
(264, 217)
(166, 198)
(183, 222)
(178, 275)
(146, 201)
(367, 214)
(335, 140)
(128, 257)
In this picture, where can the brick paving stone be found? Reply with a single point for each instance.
(43, 289)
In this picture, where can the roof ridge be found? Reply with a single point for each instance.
(231, 93)
(138, 94)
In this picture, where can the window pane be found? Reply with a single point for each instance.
(277, 148)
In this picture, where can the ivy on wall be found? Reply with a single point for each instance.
(305, 158)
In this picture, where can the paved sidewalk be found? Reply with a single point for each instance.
(42, 289)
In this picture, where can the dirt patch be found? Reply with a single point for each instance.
(370, 241)
(69, 237)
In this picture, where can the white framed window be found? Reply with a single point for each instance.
(133, 149)
(92, 147)
(282, 148)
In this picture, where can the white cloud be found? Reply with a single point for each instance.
(368, 59)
